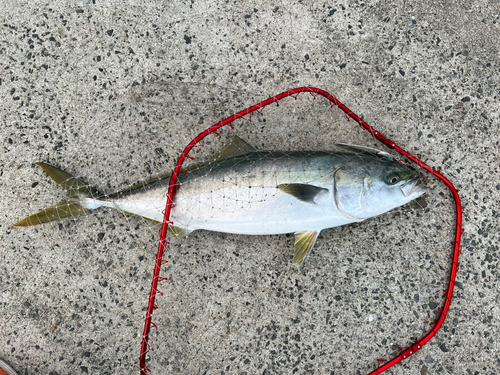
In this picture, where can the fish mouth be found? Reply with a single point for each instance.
(413, 188)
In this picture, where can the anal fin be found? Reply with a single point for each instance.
(304, 242)
(178, 232)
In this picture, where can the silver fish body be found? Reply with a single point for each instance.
(241, 195)
(264, 192)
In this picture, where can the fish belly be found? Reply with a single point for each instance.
(254, 210)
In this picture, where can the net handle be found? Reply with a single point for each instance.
(405, 352)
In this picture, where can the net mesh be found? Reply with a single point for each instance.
(235, 303)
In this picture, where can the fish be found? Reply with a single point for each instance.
(245, 191)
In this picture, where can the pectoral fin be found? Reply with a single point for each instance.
(303, 192)
(304, 242)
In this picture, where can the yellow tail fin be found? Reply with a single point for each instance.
(71, 207)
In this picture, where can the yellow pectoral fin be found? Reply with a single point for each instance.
(304, 242)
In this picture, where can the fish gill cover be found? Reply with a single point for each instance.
(234, 302)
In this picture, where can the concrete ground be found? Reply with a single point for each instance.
(113, 91)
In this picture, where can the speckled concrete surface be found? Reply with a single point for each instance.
(114, 92)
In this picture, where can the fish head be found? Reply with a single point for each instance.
(367, 185)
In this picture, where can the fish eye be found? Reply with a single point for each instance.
(392, 179)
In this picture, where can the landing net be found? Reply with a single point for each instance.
(409, 348)
(230, 303)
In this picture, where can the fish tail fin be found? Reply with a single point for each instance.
(77, 191)
(61, 210)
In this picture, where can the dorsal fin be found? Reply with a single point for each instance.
(366, 149)
(235, 147)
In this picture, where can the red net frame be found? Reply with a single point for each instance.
(382, 364)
